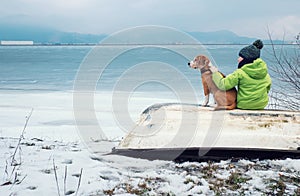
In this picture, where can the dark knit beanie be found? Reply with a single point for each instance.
(252, 52)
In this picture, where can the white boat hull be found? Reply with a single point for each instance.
(185, 131)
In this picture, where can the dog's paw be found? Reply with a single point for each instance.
(205, 105)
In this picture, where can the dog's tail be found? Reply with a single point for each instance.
(228, 107)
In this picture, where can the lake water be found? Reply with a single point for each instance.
(54, 68)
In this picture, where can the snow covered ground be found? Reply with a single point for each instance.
(46, 167)
(51, 159)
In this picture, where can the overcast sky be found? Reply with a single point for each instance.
(249, 18)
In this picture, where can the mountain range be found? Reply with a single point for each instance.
(44, 35)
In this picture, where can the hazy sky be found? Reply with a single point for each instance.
(247, 18)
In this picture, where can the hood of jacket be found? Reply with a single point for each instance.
(256, 70)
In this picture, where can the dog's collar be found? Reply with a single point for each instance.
(204, 69)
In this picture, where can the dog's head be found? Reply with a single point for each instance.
(199, 62)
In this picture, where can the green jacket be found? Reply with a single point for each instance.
(253, 82)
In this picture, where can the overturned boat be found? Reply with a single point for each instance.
(186, 132)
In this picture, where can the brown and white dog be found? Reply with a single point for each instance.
(224, 99)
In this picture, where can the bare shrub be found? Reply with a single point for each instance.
(284, 70)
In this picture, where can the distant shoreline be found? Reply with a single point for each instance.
(136, 44)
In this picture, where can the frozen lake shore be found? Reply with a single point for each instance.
(51, 159)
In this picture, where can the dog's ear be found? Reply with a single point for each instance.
(207, 61)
